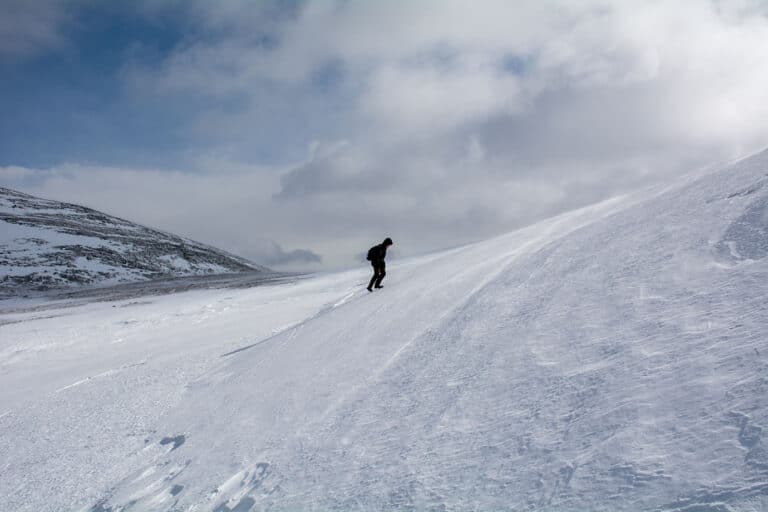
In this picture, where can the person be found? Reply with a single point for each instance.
(376, 255)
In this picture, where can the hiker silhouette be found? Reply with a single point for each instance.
(376, 255)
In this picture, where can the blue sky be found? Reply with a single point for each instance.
(74, 103)
(69, 104)
(270, 127)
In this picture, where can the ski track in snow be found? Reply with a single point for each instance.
(102, 374)
(611, 358)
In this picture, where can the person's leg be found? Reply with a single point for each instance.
(374, 278)
(382, 272)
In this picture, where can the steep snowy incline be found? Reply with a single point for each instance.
(610, 359)
(48, 244)
(613, 358)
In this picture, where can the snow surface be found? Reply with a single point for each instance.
(612, 358)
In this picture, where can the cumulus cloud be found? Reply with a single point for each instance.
(688, 69)
(427, 100)
(329, 169)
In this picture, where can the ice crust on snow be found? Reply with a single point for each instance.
(612, 358)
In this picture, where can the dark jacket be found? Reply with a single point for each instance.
(378, 253)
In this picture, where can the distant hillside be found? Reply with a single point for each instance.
(47, 244)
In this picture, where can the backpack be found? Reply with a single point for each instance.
(372, 253)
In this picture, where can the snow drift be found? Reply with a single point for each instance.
(612, 358)
(47, 244)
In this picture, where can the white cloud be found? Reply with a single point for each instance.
(431, 67)
(427, 100)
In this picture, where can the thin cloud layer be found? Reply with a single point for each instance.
(328, 124)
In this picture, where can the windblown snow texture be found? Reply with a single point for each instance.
(613, 358)
(47, 244)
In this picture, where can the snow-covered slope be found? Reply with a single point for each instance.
(612, 358)
(47, 244)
